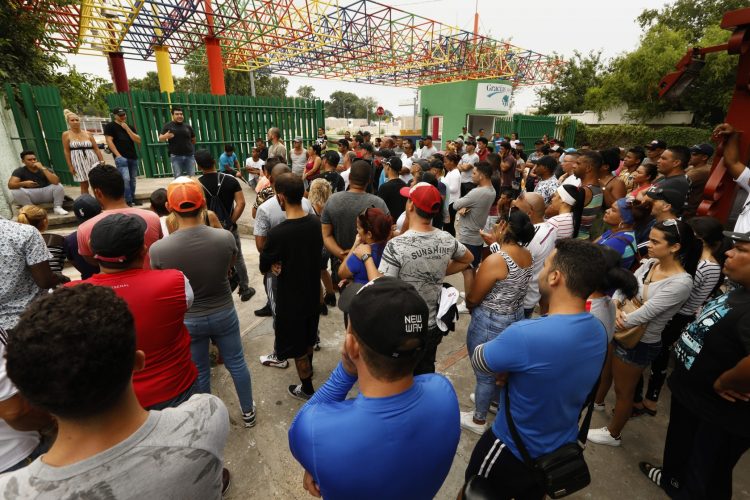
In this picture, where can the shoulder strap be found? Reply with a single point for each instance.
(583, 430)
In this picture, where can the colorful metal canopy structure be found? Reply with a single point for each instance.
(364, 41)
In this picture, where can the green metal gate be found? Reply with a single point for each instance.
(216, 120)
(40, 121)
(531, 128)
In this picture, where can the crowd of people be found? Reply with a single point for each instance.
(581, 269)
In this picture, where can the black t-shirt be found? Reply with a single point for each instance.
(182, 142)
(25, 174)
(390, 192)
(124, 144)
(297, 245)
(229, 186)
(714, 343)
(264, 154)
(335, 180)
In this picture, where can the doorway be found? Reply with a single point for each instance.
(476, 122)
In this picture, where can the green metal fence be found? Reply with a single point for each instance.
(531, 128)
(216, 120)
(40, 121)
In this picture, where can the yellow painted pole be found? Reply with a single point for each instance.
(164, 69)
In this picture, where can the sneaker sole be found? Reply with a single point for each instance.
(476, 431)
(248, 424)
(283, 365)
(614, 444)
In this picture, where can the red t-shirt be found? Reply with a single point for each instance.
(483, 154)
(152, 234)
(158, 302)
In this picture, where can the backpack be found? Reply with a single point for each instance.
(214, 204)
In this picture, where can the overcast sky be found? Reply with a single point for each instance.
(544, 26)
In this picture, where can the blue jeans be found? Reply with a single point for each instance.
(182, 165)
(129, 170)
(485, 325)
(223, 327)
(177, 400)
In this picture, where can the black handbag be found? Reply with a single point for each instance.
(564, 471)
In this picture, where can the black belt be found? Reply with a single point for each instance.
(79, 148)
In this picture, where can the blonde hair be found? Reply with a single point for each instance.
(69, 114)
(32, 215)
(320, 191)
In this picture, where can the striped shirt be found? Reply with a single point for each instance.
(564, 225)
(507, 295)
(706, 278)
(591, 211)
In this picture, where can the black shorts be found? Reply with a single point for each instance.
(507, 476)
(295, 335)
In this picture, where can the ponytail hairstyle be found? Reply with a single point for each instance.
(520, 229)
(690, 246)
(32, 215)
(711, 231)
(580, 197)
(615, 276)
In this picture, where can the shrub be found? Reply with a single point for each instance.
(607, 136)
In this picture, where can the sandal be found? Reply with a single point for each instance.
(651, 472)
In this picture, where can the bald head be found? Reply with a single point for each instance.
(536, 202)
(279, 169)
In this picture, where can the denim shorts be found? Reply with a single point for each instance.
(640, 355)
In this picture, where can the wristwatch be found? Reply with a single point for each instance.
(365, 256)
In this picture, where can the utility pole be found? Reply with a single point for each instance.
(416, 96)
(252, 83)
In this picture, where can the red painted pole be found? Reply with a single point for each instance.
(117, 69)
(215, 66)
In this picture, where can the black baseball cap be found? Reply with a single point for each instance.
(423, 164)
(671, 196)
(118, 111)
(117, 238)
(85, 207)
(703, 149)
(656, 144)
(395, 163)
(741, 237)
(387, 315)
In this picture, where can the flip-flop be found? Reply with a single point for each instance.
(651, 472)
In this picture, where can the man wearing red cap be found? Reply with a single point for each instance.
(205, 255)
(422, 257)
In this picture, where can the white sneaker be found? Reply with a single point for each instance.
(462, 309)
(493, 404)
(467, 422)
(462, 294)
(602, 436)
(60, 211)
(272, 360)
(599, 407)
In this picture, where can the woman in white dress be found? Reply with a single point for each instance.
(81, 152)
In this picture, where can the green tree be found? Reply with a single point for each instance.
(27, 50)
(691, 16)
(568, 92)
(79, 92)
(236, 82)
(344, 105)
(306, 92)
(150, 82)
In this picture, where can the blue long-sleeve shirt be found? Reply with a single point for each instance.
(400, 446)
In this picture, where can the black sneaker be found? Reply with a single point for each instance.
(264, 311)
(330, 299)
(226, 481)
(131, 204)
(296, 391)
(323, 310)
(247, 294)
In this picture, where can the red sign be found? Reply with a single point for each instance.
(380, 111)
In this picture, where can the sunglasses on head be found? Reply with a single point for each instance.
(673, 223)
